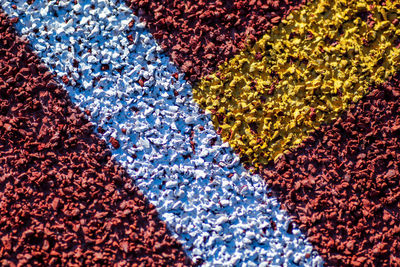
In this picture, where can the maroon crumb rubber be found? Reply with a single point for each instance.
(343, 184)
(200, 35)
(63, 201)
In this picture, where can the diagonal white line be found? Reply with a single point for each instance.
(216, 209)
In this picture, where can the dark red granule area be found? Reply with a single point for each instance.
(63, 201)
(200, 35)
(343, 184)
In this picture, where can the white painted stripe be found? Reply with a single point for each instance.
(223, 219)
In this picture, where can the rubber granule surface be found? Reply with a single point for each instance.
(300, 75)
(342, 184)
(201, 35)
(63, 201)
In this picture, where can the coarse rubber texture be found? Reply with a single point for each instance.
(113, 69)
(300, 75)
(200, 35)
(343, 183)
(63, 201)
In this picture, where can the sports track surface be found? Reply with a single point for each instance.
(306, 94)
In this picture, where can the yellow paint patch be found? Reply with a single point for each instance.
(305, 72)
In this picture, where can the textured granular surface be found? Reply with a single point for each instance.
(343, 183)
(200, 35)
(301, 74)
(62, 199)
(220, 214)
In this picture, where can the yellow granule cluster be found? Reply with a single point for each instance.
(303, 73)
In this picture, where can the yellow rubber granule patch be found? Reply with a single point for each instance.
(305, 72)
